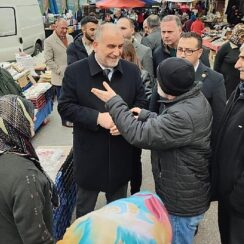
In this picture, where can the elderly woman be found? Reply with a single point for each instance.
(226, 58)
(25, 190)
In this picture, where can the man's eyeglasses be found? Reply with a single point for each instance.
(187, 51)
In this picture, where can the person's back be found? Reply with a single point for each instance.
(153, 39)
(197, 26)
(25, 190)
(18, 185)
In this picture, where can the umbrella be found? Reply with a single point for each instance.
(120, 4)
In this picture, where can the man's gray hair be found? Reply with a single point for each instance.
(102, 27)
(175, 18)
(153, 21)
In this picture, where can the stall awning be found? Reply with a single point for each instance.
(120, 4)
(179, 1)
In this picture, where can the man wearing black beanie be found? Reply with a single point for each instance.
(179, 139)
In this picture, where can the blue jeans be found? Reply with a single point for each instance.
(184, 228)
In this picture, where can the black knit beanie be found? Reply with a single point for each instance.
(175, 76)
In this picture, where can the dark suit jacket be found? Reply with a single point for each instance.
(102, 162)
(213, 89)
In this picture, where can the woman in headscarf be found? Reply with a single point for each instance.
(25, 190)
(226, 58)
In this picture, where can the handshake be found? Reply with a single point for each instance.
(105, 121)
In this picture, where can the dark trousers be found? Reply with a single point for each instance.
(231, 226)
(136, 174)
(86, 200)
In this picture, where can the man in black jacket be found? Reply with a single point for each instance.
(102, 157)
(179, 139)
(81, 47)
(229, 165)
(213, 87)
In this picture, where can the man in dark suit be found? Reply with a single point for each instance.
(190, 48)
(102, 157)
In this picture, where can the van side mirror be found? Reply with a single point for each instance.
(21, 40)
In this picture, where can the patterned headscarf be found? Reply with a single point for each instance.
(16, 120)
(237, 34)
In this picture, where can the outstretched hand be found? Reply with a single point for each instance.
(104, 95)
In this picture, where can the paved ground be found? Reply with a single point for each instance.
(53, 134)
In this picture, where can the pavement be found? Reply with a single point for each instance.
(54, 134)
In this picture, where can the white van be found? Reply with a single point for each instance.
(21, 28)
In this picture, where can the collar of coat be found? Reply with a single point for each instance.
(96, 69)
(195, 90)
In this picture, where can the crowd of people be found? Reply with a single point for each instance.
(121, 95)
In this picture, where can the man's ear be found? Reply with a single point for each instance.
(83, 28)
(200, 52)
(95, 44)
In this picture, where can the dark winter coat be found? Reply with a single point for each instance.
(180, 142)
(228, 168)
(102, 162)
(224, 63)
(25, 205)
(213, 89)
(76, 50)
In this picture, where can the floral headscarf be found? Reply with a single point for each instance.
(237, 34)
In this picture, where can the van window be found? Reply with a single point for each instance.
(7, 16)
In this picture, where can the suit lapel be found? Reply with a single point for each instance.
(201, 72)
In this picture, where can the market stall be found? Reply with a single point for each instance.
(29, 84)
